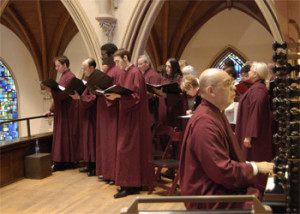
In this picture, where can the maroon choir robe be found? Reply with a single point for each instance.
(107, 130)
(154, 78)
(241, 88)
(254, 119)
(87, 118)
(134, 148)
(211, 162)
(172, 106)
(63, 148)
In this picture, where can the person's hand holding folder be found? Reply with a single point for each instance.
(46, 88)
(160, 92)
(112, 96)
(75, 96)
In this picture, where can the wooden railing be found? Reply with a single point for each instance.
(13, 152)
(258, 207)
(27, 121)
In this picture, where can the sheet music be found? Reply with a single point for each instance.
(61, 87)
(185, 116)
(270, 184)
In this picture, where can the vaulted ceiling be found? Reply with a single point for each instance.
(44, 26)
(179, 20)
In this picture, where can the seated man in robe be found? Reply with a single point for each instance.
(211, 161)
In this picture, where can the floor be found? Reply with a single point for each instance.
(70, 192)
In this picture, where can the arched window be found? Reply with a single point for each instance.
(238, 60)
(8, 104)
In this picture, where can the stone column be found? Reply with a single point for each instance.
(106, 20)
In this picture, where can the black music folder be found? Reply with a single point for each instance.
(116, 89)
(75, 85)
(50, 83)
(171, 88)
(99, 80)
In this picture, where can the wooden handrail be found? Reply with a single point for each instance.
(27, 121)
(26, 118)
(257, 205)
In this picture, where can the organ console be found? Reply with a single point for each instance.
(282, 190)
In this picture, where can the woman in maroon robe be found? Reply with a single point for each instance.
(63, 149)
(107, 121)
(190, 86)
(134, 147)
(172, 105)
(254, 119)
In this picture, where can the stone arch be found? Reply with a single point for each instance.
(224, 52)
(85, 28)
(140, 25)
(146, 12)
(268, 11)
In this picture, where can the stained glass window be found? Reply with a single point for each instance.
(8, 105)
(238, 63)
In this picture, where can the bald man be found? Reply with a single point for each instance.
(87, 119)
(211, 161)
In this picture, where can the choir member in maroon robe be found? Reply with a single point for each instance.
(134, 147)
(107, 120)
(171, 106)
(211, 162)
(244, 84)
(64, 151)
(154, 78)
(190, 86)
(254, 119)
(87, 119)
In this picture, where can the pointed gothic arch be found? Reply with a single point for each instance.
(146, 12)
(85, 28)
(232, 54)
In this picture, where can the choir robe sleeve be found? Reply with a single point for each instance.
(87, 99)
(118, 76)
(129, 102)
(155, 79)
(58, 95)
(215, 158)
(52, 107)
(257, 102)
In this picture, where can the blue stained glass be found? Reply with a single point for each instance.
(238, 63)
(8, 105)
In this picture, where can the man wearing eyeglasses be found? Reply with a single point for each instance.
(211, 161)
